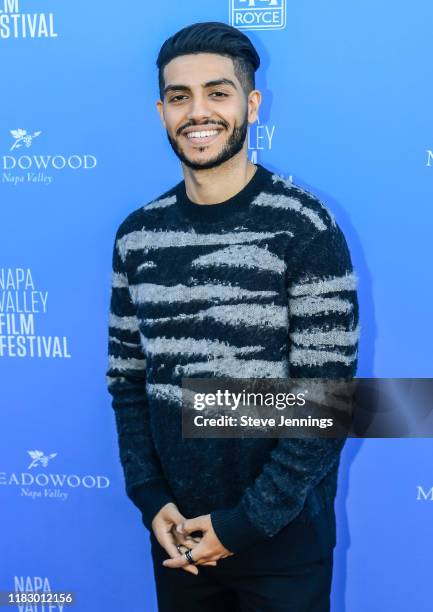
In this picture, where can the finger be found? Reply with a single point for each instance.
(169, 544)
(200, 554)
(167, 541)
(185, 540)
(193, 539)
(182, 548)
(191, 569)
(213, 559)
(189, 525)
(182, 561)
(176, 516)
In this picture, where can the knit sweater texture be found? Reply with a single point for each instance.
(258, 286)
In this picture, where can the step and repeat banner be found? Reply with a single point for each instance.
(346, 114)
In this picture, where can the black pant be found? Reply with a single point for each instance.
(240, 586)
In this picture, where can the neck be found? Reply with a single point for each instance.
(215, 185)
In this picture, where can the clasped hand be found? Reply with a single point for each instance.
(172, 529)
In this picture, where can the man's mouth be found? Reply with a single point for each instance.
(201, 137)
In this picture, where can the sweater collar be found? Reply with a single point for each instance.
(209, 213)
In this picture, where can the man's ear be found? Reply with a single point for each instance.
(160, 109)
(254, 101)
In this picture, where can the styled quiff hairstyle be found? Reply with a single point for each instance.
(212, 37)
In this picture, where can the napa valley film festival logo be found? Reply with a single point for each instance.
(16, 22)
(257, 14)
(20, 303)
(25, 164)
(259, 138)
(41, 481)
(423, 494)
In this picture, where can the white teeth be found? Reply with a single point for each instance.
(202, 134)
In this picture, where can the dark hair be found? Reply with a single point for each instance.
(212, 37)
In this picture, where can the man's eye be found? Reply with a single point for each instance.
(218, 94)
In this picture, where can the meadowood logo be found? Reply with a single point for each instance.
(43, 484)
(22, 138)
(257, 14)
(37, 165)
(39, 458)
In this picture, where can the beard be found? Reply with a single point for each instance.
(233, 145)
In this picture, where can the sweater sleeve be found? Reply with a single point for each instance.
(126, 382)
(323, 343)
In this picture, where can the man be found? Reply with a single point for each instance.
(233, 272)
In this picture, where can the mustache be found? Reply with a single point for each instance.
(187, 125)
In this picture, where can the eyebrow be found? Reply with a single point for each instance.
(204, 85)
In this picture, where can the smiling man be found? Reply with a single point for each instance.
(233, 272)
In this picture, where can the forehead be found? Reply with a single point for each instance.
(197, 68)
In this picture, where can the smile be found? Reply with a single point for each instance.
(202, 137)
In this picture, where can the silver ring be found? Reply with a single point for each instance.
(178, 548)
(189, 557)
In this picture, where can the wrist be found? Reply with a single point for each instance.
(234, 529)
(150, 497)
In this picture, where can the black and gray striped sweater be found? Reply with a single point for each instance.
(260, 285)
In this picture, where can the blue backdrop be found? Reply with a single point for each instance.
(347, 114)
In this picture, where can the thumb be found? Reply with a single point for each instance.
(171, 514)
(175, 516)
(189, 525)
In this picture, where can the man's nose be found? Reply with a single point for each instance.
(198, 110)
